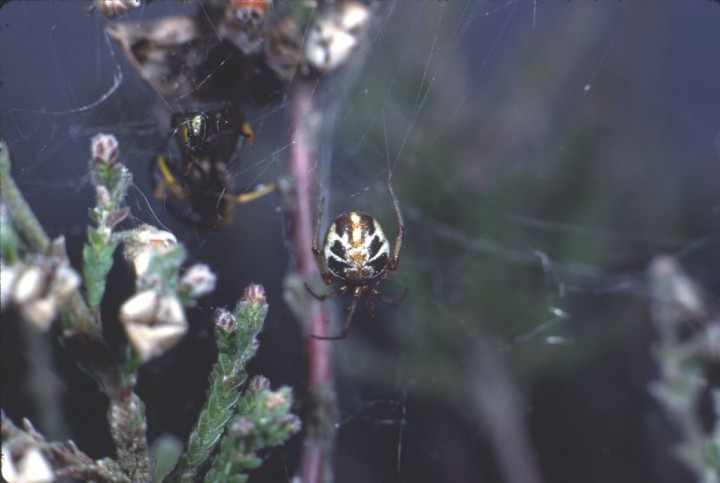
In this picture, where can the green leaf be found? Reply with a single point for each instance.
(263, 421)
(228, 373)
(97, 262)
(9, 241)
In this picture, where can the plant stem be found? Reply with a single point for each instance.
(23, 217)
(498, 405)
(306, 121)
(32, 231)
(68, 460)
(128, 429)
(83, 337)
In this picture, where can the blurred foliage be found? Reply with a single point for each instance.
(534, 194)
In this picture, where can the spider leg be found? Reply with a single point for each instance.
(390, 300)
(394, 262)
(317, 251)
(348, 319)
(328, 295)
(258, 192)
(316, 238)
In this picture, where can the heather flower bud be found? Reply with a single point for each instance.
(242, 426)
(115, 8)
(66, 281)
(254, 294)
(275, 400)
(40, 312)
(335, 35)
(258, 384)
(144, 243)
(30, 467)
(29, 285)
(198, 280)
(154, 323)
(104, 148)
(225, 321)
(8, 277)
(39, 290)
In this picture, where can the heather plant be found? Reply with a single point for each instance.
(240, 417)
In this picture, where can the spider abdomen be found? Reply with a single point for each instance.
(356, 248)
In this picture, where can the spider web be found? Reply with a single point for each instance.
(542, 153)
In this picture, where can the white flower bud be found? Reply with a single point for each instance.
(32, 467)
(29, 285)
(140, 308)
(40, 312)
(140, 260)
(115, 8)
(8, 277)
(170, 311)
(198, 280)
(104, 148)
(145, 242)
(65, 282)
(225, 321)
(9, 472)
(40, 290)
(335, 35)
(149, 235)
(153, 323)
(152, 341)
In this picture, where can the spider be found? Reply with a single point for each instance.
(356, 253)
(208, 142)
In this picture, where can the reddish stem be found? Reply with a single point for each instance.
(305, 124)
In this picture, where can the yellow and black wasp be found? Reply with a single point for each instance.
(197, 176)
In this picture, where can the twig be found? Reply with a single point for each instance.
(306, 121)
(68, 460)
(28, 225)
(498, 403)
(47, 391)
(83, 337)
(24, 218)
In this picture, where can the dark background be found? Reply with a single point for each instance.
(543, 154)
